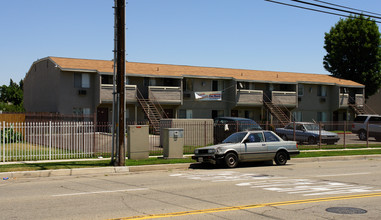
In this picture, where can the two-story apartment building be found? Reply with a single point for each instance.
(84, 86)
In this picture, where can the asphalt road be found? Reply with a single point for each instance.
(299, 190)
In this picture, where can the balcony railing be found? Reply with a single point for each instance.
(166, 94)
(343, 100)
(283, 98)
(106, 93)
(250, 97)
(359, 100)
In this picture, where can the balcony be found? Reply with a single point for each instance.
(249, 97)
(165, 94)
(283, 98)
(359, 100)
(107, 90)
(343, 100)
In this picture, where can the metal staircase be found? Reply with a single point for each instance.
(277, 113)
(153, 111)
(358, 109)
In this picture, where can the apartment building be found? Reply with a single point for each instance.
(85, 86)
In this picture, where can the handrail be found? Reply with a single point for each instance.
(276, 106)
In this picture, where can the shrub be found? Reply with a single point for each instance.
(11, 136)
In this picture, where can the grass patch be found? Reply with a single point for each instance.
(336, 153)
(326, 147)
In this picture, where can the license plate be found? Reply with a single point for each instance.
(200, 159)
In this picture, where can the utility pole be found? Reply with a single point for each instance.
(121, 88)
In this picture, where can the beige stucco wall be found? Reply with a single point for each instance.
(48, 89)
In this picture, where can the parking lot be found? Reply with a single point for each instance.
(353, 139)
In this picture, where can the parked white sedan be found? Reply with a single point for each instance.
(248, 146)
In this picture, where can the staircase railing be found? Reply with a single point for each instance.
(152, 112)
(281, 117)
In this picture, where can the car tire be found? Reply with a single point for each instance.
(281, 158)
(311, 140)
(284, 137)
(363, 135)
(231, 160)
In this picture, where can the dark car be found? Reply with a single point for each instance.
(225, 126)
(307, 132)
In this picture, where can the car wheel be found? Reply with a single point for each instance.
(231, 160)
(363, 135)
(280, 158)
(284, 137)
(311, 140)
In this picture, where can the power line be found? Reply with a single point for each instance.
(335, 9)
(342, 6)
(312, 9)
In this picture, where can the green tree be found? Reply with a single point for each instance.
(354, 52)
(11, 97)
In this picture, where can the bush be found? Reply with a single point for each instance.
(11, 136)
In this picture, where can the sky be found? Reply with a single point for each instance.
(239, 34)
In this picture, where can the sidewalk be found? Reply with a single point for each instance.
(147, 168)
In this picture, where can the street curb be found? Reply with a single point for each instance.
(158, 167)
(335, 158)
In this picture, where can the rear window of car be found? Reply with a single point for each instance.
(360, 118)
(375, 120)
(270, 137)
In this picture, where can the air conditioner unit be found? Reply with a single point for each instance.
(82, 92)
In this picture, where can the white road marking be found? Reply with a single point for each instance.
(99, 192)
(305, 187)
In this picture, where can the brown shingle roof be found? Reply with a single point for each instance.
(133, 68)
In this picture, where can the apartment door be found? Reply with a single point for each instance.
(102, 115)
(169, 113)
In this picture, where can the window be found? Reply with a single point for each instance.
(270, 137)
(299, 127)
(185, 113)
(188, 85)
(106, 79)
(322, 91)
(82, 80)
(217, 85)
(256, 137)
(375, 120)
(322, 116)
(300, 90)
(298, 116)
(81, 111)
(217, 113)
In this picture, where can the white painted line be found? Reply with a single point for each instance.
(99, 192)
(344, 174)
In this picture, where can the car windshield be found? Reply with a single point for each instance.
(249, 125)
(235, 138)
(311, 127)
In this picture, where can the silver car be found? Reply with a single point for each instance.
(248, 146)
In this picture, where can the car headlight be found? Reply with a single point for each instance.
(211, 151)
(196, 151)
(218, 150)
